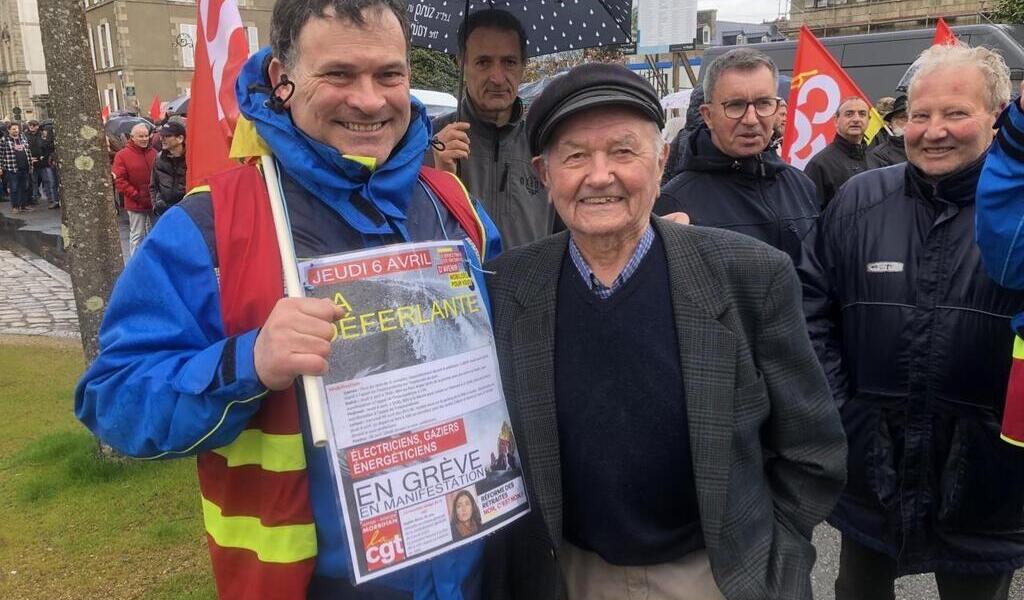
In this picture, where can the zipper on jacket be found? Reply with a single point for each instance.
(504, 179)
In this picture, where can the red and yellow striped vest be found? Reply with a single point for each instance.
(255, 491)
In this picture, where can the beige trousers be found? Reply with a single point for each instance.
(589, 577)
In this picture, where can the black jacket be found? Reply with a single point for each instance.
(836, 163)
(167, 185)
(41, 145)
(889, 151)
(761, 196)
(915, 339)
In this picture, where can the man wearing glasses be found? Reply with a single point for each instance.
(730, 178)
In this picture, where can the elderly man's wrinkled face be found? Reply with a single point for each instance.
(351, 83)
(601, 169)
(950, 125)
(749, 134)
(140, 136)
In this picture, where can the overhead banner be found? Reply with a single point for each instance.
(420, 439)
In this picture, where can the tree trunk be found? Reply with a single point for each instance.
(89, 219)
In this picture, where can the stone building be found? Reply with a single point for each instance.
(848, 17)
(23, 91)
(146, 48)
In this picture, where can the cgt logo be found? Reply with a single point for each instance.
(384, 553)
(813, 129)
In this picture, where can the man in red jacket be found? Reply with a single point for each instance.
(133, 165)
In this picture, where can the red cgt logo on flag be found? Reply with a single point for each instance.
(818, 87)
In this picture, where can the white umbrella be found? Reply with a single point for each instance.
(680, 99)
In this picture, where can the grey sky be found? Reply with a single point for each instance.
(749, 11)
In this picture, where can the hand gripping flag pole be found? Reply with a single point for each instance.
(311, 385)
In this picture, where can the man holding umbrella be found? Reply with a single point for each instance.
(490, 139)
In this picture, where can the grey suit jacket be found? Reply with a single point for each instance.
(769, 453)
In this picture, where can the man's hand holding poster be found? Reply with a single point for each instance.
(423, 453)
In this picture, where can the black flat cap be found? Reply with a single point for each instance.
(589, 86)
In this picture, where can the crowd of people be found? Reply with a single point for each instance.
(700, 366)
(28, 166)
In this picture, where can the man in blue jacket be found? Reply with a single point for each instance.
(917, 351)
(331, 100)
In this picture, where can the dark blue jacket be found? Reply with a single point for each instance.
(915, 339)
(760, 196)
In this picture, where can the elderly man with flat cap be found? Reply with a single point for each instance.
(677, 432)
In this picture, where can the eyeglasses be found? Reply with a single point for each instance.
(763, 107)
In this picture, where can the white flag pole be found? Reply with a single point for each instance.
(311, 385)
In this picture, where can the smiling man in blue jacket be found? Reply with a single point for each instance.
(198, 351)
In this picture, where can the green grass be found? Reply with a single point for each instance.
(76, 525)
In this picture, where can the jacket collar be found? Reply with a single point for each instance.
(477, 123)
(702, 155)
(957, 187)
(855, 151)
(540, 286)
(324, 172)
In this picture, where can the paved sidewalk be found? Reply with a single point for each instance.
(35, 298)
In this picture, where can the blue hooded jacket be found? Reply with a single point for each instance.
(169, 382)
(1000, 205)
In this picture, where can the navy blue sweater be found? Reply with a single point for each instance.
(627, 474)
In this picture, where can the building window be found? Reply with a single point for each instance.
(105, 28)
(188, 50)
(110, 99)
(741, 39)
(706, 35)
(92, 50)
(99, 43)
(254, 40)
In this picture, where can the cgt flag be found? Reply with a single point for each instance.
(944, 35)
(818, 87)
(221, 50)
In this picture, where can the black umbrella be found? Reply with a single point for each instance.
(119, 127)
(551, 25)
(178, 106)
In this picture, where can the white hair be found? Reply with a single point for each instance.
(989, 62)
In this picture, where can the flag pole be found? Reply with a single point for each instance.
(311, 385)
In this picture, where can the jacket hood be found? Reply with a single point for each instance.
(325, 172)
(693, 117)
(703, 155)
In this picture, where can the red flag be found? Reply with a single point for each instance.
(105, 113)
(154, 109)
(221, 50)
(819, 85)
(943, 35)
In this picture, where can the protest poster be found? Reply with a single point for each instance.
(421, 445)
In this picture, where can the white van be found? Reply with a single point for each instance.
(437, 103)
